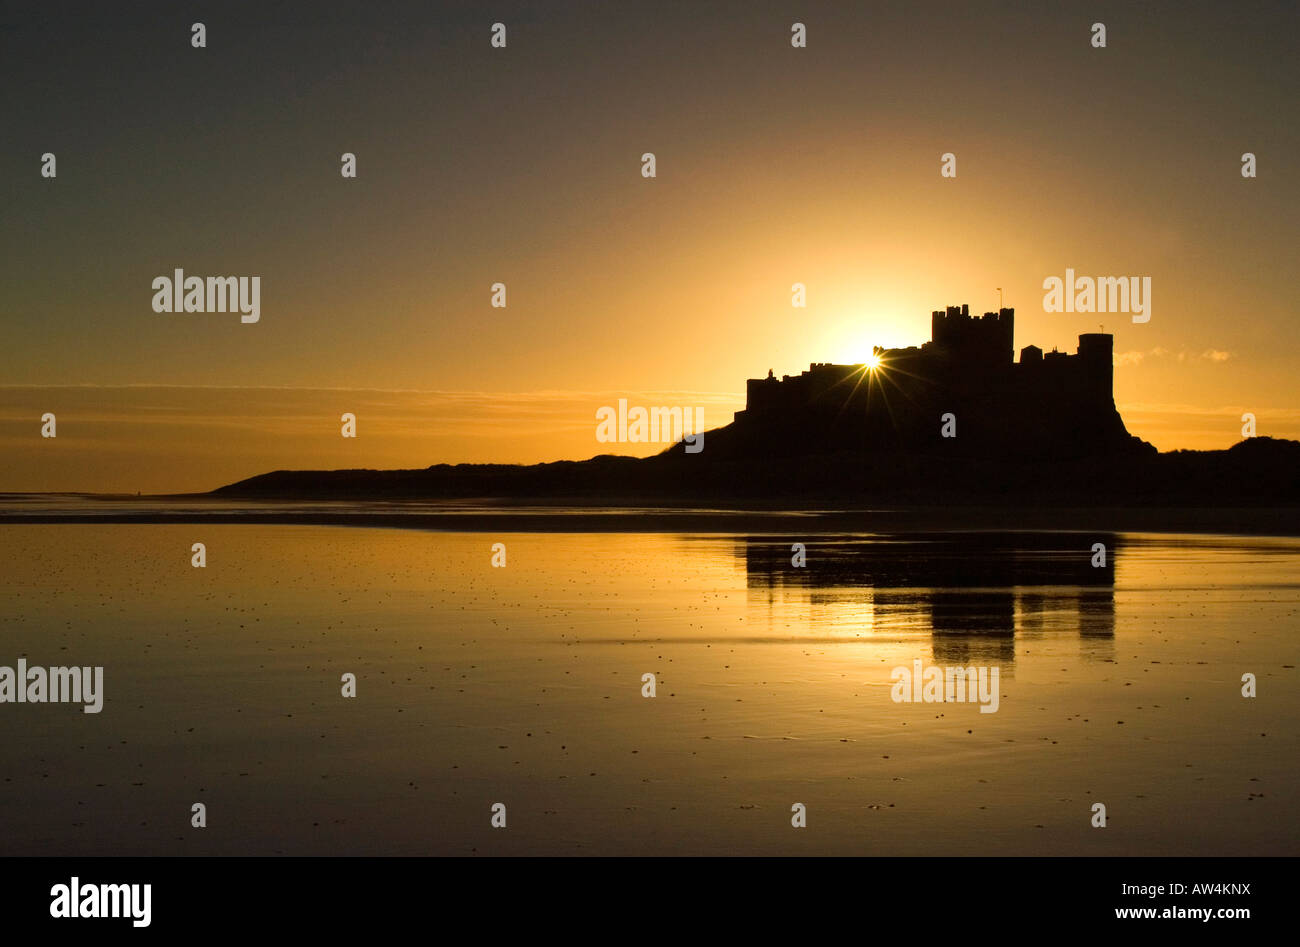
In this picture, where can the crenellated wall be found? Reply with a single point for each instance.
(967, 368)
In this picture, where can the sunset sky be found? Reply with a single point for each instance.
(522, 165)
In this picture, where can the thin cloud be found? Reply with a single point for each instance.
(1137, 357)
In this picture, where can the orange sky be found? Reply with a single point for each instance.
(775, 166)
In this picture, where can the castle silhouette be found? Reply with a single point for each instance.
(1033, 435)
(1046, 405)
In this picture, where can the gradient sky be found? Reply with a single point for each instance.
(522, 165)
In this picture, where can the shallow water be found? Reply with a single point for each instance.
(522, 685)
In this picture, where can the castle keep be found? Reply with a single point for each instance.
(1046, 404)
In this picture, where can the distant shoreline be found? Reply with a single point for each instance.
(553, 515)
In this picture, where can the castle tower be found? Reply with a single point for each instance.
(1096, 352)
(984, 341)
(1007, 334)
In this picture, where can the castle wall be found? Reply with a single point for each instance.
(968, 367)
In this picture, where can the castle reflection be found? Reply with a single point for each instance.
(977, 594)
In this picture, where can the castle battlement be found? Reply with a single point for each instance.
(987, 337)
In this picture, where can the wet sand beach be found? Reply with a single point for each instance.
(522, 685)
